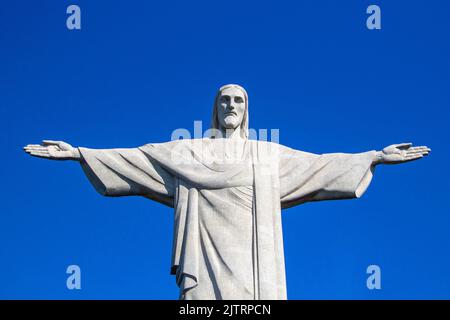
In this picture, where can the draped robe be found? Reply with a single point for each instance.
(228, 241)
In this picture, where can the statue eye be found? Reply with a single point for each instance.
(238, 100)
(224, 98)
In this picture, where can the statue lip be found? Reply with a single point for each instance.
(231, 112)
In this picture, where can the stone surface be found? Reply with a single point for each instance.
(227, 193)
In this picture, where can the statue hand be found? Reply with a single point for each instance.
(54, 150)
(403, 152)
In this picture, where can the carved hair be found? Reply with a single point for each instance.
(215, 125)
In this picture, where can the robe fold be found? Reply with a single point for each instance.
(228, 241)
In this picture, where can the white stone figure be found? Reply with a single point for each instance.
(227, 193)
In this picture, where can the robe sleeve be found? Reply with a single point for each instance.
(310, 177)
(127, 172)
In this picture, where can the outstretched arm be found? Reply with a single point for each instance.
(114, 172)
(54, 150)
(399, 153)
(309, 177)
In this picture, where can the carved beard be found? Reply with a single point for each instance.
(231, 122)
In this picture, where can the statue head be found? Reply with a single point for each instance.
(230, 110)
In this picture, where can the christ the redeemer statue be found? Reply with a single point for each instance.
(227, 192)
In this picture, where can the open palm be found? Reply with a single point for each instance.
(403, 152)
(54, 150)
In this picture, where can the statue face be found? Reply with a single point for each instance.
(231, 108)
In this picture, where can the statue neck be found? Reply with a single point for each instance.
(232, 133)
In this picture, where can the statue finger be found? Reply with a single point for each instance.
(40, 154)
(413, 157)
(39, 148)
(403, 146)
(40, 151)
(30, 147)
(417, 148)
(417, 152)
(33, 150)
(423, 148)
(50, 142)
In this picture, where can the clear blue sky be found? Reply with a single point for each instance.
(140, 69)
